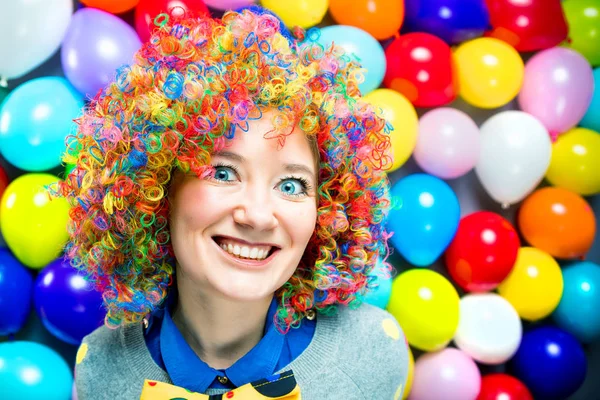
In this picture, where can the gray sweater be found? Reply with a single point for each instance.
(355, 354)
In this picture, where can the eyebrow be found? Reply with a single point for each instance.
(288, 167)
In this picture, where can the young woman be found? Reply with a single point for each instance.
(229, 201)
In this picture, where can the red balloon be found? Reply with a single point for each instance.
(421, 67)
(503, 387)
(147, 10)
(528, 25)
(483, 251)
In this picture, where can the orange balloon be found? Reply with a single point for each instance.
(112, 6)
(558, 221)
(381, 18)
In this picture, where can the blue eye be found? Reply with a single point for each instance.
(223, 173)
(293, 187)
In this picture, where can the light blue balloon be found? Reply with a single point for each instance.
(591, 119)
(578, 311)
(35, 119)
(31, 371)
(363, 46)
(424, 218)
(380, 297)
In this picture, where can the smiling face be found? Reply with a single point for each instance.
(242, 231)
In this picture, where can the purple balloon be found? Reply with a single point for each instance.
(557, 88)
(95, 46)
(66, 303)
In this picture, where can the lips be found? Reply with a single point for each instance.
(244, 250)
(246, 262)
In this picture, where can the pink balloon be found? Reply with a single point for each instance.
(228, 4)
(447, 374)
(557, 88)
(448, 143)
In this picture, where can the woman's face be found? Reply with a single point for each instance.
(242, 232)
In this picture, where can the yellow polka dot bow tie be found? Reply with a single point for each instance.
(282, 386)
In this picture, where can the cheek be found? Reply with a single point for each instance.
(197, 205)
(302, 223)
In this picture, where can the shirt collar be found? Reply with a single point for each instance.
(187, 370)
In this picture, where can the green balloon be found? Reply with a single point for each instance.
(583, 17)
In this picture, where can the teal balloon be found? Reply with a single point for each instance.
(35, 119)
(591, 119)
(380, 296)
(31, 370)
(363, 47)
(3, 94)
(578, 311)
(424, 218)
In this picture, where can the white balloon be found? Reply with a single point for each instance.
(515, 154)
(489, 328)
(30, 32)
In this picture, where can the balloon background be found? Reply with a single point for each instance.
(496, 116)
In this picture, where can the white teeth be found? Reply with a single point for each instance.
(255, 253)
(236, 250)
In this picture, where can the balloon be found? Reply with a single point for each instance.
(420, 66)
(575, 163)
(33, 226)
(358, 43)
(31, 370)
(63, 296)
(426, 306)
(577, 312)
(503, 387)
(454, 21)
(515, 154)
(528, 25)
(411, 374)
(3, 181)
(35, 120)
(112, 6)
(302, 13)
(228, 4)
(558, 221)
(534, 286)
(448, 374)
(557, 88)
(490, 72)
(147, 10)
(550, 362)
(15, 293)
(3, 94)
(30, 32)
(381, 18)
(489, 328)
(583, 17)
(74, 392)
(96, 44)
(380, 296)
(591, 119)
(448, 143)
(398, 111)
(483, 251)
(425, 219)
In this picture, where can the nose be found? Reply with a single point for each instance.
(256, 210)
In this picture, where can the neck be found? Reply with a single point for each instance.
(218, 329)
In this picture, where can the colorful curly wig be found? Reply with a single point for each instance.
(190, 89)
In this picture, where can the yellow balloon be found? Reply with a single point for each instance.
(490, 72)
(33, 226)
(401, 114)
(411, 374)
(426, 306)
(302, 13)
(535, 285)
(575, 163)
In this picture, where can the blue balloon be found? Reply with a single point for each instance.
(31, 371)
(578, 310)
(591, 119)
(454, 21)
(361, 45)
(15, 293)
(424, 218)
(35, 119)
(380, 297)
(550, 362)
(66, 303)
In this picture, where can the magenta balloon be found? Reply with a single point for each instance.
(557, 88)
(228, 4)
(95, 46)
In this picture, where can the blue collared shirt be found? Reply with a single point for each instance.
(272, 353)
